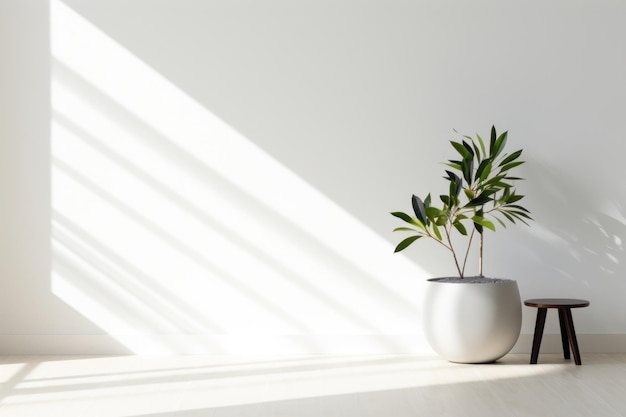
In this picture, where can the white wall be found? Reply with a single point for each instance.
(281, 134)
(31, 318)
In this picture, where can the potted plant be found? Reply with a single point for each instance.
(470, 319)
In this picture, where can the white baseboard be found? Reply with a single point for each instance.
(269, 344)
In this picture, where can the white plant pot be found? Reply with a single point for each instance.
(472, 322)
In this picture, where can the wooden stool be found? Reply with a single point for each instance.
(568, 335)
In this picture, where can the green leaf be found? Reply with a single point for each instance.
(419, 209)
(511, 165)
(456, 183)
(403, 216)
(468, 147)
(481, 143)
(404, 229)
(455, 189)
(427, 201)
(476, 150)
(405, 243)
(519, 216)
(445, 199)
(512, 198)
(432, 213)
(511, 157)
(484, 168)
(490, 191)
(501, 222)
(454, 164)
(451, 176)
(507, 215)
(462, 150)
(459, 226)
(442, 219)
(436, 232)
(492, 142)
(479, 201)
(491, 182)
(409, 219)
(515, 206)
(499, 145)
(477, 226)
(468, 170)
(484, 222)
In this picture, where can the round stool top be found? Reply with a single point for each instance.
(556, 303)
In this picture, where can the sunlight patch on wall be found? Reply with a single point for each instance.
(167, 221)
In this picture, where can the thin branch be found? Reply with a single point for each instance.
(480, 256)
(456, 261)
(469, 245)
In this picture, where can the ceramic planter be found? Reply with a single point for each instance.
(472, 322)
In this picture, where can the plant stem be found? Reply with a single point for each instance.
(480, 256)
(456, 261)
(469, 245)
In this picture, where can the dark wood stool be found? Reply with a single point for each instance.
(568, 335)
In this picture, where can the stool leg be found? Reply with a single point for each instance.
(571, 333)
(539, 324)
(564, 338)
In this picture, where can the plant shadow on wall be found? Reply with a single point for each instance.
(167, 221)
(577, 244)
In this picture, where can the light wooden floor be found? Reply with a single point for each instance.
(363, 386)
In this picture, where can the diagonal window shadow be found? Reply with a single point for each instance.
(184, 208)
(74, 245)
(219, 187)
